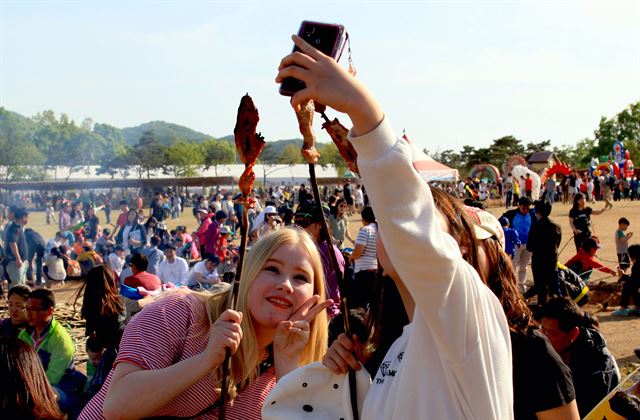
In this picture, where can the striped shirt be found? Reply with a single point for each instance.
(166, 332)
(369, 258)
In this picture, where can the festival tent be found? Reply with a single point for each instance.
(429, 169)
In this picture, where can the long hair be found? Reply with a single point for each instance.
(247, 359)
(335, 208)
(503, 283)
(576, 198)
(460, 227)
(502, 279)
(25, 392)
(101, 294)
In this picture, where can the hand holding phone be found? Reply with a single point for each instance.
(327, 38)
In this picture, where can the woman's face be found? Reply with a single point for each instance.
(342, 208)
(581, 202)
(132, 216)
(284, 284)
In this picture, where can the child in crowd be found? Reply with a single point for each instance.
(631, 285)
(105, 244)
(622, 243)
(584, 262)
(116, 259)
(510, 236)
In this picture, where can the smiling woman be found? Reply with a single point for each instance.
(171, 353)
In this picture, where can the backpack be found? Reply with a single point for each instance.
(73, 268)
(572, 285)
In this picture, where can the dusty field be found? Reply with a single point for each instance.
(622, 334)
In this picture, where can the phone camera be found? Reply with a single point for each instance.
(317, 41)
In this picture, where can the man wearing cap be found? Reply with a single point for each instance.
(213, 233)
(309, 217)
(544, 239)
(16, 249)
(173, 269)
(201, 233)
(521, 219)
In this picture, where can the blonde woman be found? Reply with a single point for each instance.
(171, 353)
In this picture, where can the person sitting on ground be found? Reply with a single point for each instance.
(140, 277)
(116, 259)
(574, 334)
(153, 254)
(89, 258)
(54, 269)
(105, 244)
(584, 262)
(50, 339)
(171, 353)
(54, 242)
(17, 320)
(173, 269)
(25, 392)
(205, 272)
(630, 285)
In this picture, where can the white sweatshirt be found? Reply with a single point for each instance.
(454, 360)
(176, 272)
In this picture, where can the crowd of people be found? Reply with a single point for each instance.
(434, 290)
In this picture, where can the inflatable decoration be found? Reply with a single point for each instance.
(521, 170)
(513, 161)
(612, 168)
(594, 164)
(485, 171)
(618, 154)
(559, 168)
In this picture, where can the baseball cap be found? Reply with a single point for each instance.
(203, 210)
(270, 210)
(485, 224)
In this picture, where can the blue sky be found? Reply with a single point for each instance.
(450, 73)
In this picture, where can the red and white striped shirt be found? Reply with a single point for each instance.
(167, 331)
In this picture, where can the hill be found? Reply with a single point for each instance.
(166, 132)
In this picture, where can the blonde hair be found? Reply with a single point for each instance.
(246, 361)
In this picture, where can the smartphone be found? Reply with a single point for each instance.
(326, 37)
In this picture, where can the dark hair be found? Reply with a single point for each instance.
(221, 214)
(46, 297)
(155, 241)
(623, 221)
(123, 203)
(213, 259)
(338, 202)
(25, 392)
(634, 252)
(21, 290)
(576, 198)
(101, 295)
(543, 208)
(106, 231)
(140, 261)
(151, 220)
(503, 283)
(94, 345)
(568, 314)
(524, 201)
(367, 215)
(588, 244)
(19, 213)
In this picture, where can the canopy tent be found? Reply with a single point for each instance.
(429, 169)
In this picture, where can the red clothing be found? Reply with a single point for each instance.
(168, 331)
(143, 279)
(587, 262)
(122, 219)
(201, 233)
(213, 233)
(528, 184)
(221, 248)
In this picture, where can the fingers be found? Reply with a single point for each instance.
(317, 309)
(304, 308)
(231, 316)
(307, 48)
(340, 357)
(296, 59)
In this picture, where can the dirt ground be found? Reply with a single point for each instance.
(622, 334)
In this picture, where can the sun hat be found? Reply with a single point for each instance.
(485, 224)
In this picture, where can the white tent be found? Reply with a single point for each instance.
(429, 169)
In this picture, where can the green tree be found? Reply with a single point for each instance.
(148, 154)
(624, 127)
(447, 157)
(182, 159)
(290, 155)
(329, 155)
(218, 152)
